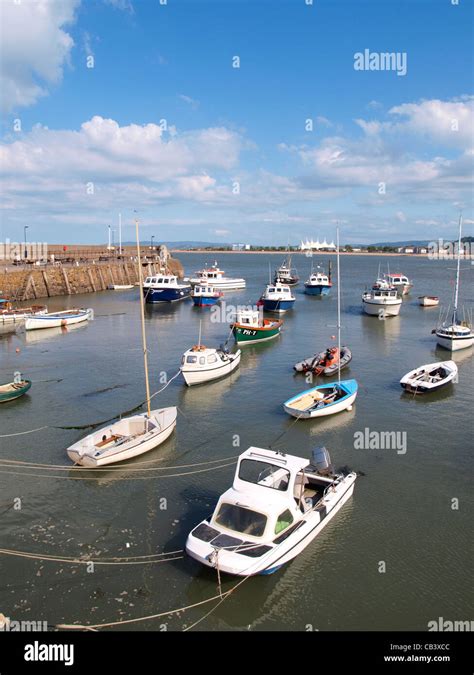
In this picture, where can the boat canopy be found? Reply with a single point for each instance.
(266, 474)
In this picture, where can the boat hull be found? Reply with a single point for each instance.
(349, 388)
(57, 320)
(247, 335)
(14, 391)
(154, 296)
(426, 301)
(316, 290)
(454, 344)
(381, 309)
(277, 306)
(205, 302)
(416, 382)
(166, 418)
(201, 376)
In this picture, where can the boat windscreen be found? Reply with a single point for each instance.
(241, 520)
(264, 474)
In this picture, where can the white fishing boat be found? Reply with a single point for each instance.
(278, 504)
(381, 302)
(215, 277)
(66, 317)
(130, 436)
(430, 377)
(428, 300)
(326, 399)
(400, 282)
(120, 287)
(455, 334)
(202, 364)
(11, 315)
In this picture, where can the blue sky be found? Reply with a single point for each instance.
(389, 156)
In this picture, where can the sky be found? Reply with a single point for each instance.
(253, 121)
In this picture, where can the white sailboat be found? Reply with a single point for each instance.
(456, 334)
(130, 436)
(326, 399)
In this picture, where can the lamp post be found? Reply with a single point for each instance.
(26, 251)
(151, 243)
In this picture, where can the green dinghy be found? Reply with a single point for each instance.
(12, 390)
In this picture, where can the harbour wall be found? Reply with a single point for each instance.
(32, 282)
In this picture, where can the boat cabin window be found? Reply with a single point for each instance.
(284, 520)
(212, 358)
(264, 474)
(202, 360)
(241, 520)
(191, 359)
(271, 290)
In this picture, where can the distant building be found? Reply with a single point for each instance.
(406, 249)
(241, 247)
(317, 245)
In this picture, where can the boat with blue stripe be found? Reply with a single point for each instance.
(278, 298)
(165, 288)
(318, 283)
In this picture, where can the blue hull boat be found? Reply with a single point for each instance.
(155, 295)
(323, 400)
(279, 306)
(205, 302)
(316, 290)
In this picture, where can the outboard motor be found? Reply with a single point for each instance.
(322, 461)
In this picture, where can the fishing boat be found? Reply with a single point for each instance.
(250, 327)
(66, 317)
(205, 296)
(381, 302)
(326, 399)
(13, 390)
(202, 364)
(285, 274)
(277, 505)
(165, 288)
(278, 298)
(120, 287)
(318, 283)
(430, 377)
(213, 276)
(325, 363)
(428, 300)
(130, 436)
(11, 315)
(455, 334)
(400, 282)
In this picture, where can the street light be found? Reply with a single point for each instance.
(24, 230)
(152, 237)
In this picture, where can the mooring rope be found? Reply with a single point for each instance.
(118, 560)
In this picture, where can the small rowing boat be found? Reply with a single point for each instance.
(11, 315)
(66, 317)
(13, 390)
(430, 377)
(120, 287)
(428, 300)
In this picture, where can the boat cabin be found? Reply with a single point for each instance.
(398, 279)
(278, 289)
(203, 290)
(270, 493)
(162, 280)
(248, 317)
(199, 357)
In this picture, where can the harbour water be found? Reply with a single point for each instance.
(402, 513)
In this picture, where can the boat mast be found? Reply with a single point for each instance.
(338, 306)
(142, 312)
(456, 289)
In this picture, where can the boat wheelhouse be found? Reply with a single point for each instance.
(202, 364)
(205, 296)
(165, 288)
(277, 505)
(400, 282)
(318, 284)
(285, 274)
(12, 315)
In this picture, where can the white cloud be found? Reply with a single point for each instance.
(190, 101)
(124, 5)
(34, 48)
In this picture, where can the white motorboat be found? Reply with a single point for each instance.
(428, 300)
(130, 436)
(429, 377)
(202, 364)
(381, 302)
(455, 334)
(66, 317)
(120, 287)
(400, 282)
(215, 277)
(125, 439)
(277, 505)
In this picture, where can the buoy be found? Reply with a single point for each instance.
(349, 408)
(17, 350)
(333, 337)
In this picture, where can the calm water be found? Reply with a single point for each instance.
(400, 512)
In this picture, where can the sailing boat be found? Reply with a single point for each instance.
(130, 436)
(457, 334)
(326, 399)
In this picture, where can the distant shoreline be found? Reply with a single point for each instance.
(285, 253)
